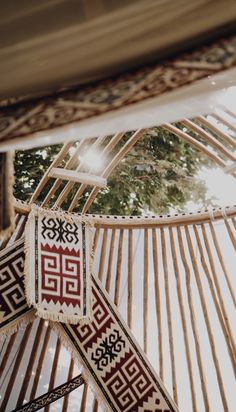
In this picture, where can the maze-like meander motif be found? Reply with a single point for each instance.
(58, 265)
(128, 384)
(118, 366)
(12, 294)
(101, 320)
(60, 275)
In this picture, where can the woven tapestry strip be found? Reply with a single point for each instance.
(58, 265)
(119, 371)
(52, 396)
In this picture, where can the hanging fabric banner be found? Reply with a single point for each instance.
(58, 265)
(14, 310)
(116, 366)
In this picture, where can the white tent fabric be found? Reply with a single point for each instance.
(54, 44)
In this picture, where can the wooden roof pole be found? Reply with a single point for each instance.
(145, 289)
(118, 157)
(45, 177)
(16, 366)
(222, 120)
(230, 233)
(118, 267)
(218, 289)
(53, 370)
(220, 257)
(157, 301)
(110, 146)
(110, 261)
(95, 405)
(183, 319)
(193, 319)
(228, 111)
(130, 279)
(73, 176)
(169, 314)
(40, 362)
(209, 139)
(30, 365)
(62, 196)
(84, 398)
(149, 221)
(69, 377)
(221, 315)
(7, 352)
(195, 143)
(71, 162)
(102, 255)
(224, 136)
(234, 222)
(207, 321)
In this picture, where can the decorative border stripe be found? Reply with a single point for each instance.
(52, 396)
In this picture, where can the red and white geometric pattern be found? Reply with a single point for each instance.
(58, 267)
(13, 305)
(119, 370)
(60, 280)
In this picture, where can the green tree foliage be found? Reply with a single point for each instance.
(158, 174)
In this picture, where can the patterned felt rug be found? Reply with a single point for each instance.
(58, 265)
(13, 306)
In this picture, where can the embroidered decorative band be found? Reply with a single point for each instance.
(52, 396)
(119, 370)
(24, 118)
(58, 265)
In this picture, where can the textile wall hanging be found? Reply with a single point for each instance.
(14, 310)
(58, 265)
(117, 367)
(6, 194)
(119, 371)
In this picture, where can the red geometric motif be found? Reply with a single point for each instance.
(119, 368)
(60, 275)
(58, 266)
(128, 383)
(101, 321)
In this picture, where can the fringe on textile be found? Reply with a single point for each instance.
(74, 354)
(71, 218)
(17, 324)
